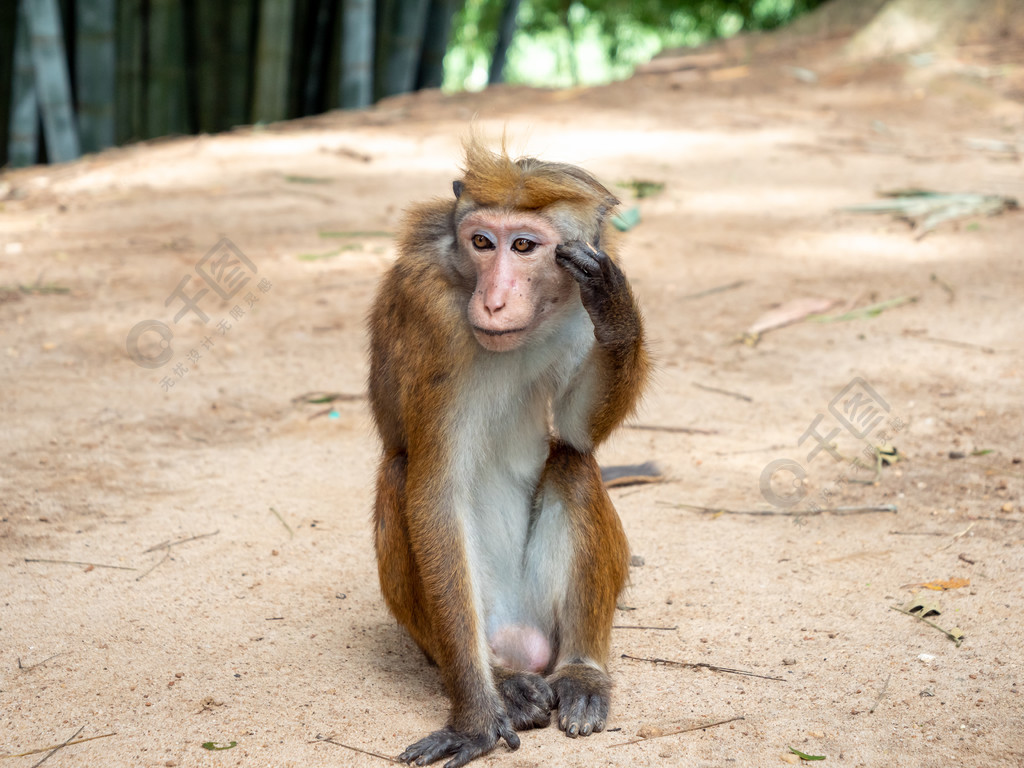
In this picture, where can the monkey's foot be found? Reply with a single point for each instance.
(461, 747)
(528, 698)
(583, 693)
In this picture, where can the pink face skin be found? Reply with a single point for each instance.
(518, 282)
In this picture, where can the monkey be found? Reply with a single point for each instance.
(505, 346)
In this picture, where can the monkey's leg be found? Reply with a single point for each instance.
(597, 573)
(400, 580)
(528, 698)
(446, 614)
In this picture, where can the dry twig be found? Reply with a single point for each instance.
(881, 693)
(37, 664)
(61, 746)
(169, 544)
(680, 430)
(329, 740)
(157, 564)
(784, 513)
(79, 562)
(55, 749)
(737, 395)
(679, 730)
(703, 665)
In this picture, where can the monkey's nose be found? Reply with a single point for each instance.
(494, 302)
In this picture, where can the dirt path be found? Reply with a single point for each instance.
(233, 596)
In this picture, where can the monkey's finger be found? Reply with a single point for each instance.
(579, 260)
(510, 736)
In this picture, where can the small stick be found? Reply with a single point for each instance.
(959, 344)
(881, 693)
(291, 533)
(785, 513)
(680, 430)
(58, 747)
(329, 740)
(169, 544)
(998, 519)
(737, 395)
(956, 640)
(157, 564)
(78, 562)
(917, 533)
(954, 539)
(680, 730)
(33, 666)
(637, 626)
(702, 665)
(965, 558)
(712, 291)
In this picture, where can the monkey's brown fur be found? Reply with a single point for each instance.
(423, 353)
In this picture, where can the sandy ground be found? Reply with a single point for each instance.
(186, 550)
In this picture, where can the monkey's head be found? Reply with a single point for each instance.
(509, 216)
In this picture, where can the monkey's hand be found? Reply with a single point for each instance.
(528, 698)
(583, 694)
(604, 291)
(462, 747)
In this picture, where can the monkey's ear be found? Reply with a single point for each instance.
(457, 187)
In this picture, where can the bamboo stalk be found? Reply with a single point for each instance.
(129, 101)
(406, 41)
(23, 144)
(273, 60)
(49, 63)
(95, 67)
(165, 92)
(357, 53)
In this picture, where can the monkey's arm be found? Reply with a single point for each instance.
(619, 361)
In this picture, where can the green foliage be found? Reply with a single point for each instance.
(562, 43)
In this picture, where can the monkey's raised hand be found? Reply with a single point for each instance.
(604, 291)
(461, 746)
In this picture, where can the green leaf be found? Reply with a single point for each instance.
(803, 756)
(626, 220)
(642, 188)
(214, 746)
(307, 179)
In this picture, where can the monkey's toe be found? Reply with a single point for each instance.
(583, 697)
(528, 699)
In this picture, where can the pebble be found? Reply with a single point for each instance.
(927, 658)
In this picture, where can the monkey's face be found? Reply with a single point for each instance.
(519, 287)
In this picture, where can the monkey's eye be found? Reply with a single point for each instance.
(523, 245)
(481, 242)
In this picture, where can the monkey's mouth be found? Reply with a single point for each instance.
(488, 332)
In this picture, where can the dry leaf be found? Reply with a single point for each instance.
(791, 312)
(924, 605)
(939, 586)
